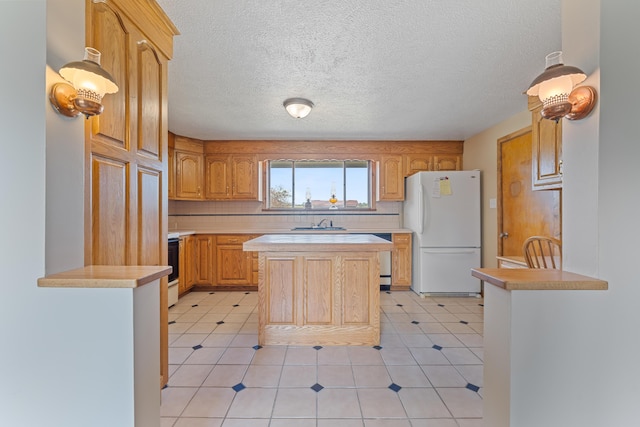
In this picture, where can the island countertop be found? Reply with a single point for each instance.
(317, 243)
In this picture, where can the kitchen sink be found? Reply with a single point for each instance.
(318, 228)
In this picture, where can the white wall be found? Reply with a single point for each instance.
(481, 152)
(618, 195)
(64, 234)
(46, 356)
(588, 341)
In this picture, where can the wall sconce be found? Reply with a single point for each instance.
(298, 108)
(555, 88)
(90, 83)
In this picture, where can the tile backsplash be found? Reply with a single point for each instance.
(247, 216)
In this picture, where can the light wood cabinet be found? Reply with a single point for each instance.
(417, 163)
(447, 162)
(171, 172)
(231, 177)
(234, 266)
(390, 178)
(204, 259)
(511, 262)
(325, 298)
(401, 261)
(127, 145)
(186, 264)
(189, 175)
(546, 156)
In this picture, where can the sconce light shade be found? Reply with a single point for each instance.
(90, 83)
(555, 88)
(298, 107)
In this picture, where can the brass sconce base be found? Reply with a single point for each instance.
(64, 99)
(582, 99)
(61, 97)
(580, 103)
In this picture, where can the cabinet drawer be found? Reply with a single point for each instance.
(402, 238)
(229, 240)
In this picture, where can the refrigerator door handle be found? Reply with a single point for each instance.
(421, 209)
(450, 252)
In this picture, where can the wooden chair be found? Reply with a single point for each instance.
(543, 252)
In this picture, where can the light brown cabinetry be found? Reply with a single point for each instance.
(127, 148)
(204, 259)
(546, 156)
(511, 262)
(401, 261)
(231, 177)
(417, 163)
(234, 267)
(390, 178)
(186, 264)
(427, 162)
(189, 175)
(171, 171)
(447, 162)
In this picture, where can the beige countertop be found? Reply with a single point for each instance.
(317, 243)
(105, 276)
(521, 279)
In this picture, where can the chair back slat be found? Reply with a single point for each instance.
(543, 252)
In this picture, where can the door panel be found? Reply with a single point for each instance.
(149, 101)
(524, 212)
(449, 270)
(111, 36)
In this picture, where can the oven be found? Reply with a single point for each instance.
(385, 263)
(173, 254)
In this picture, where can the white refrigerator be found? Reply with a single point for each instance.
(443, 211)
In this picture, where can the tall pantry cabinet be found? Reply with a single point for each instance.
(126, 179)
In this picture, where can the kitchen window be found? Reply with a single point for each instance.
(319, 184)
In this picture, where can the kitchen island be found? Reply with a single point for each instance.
(318, 289)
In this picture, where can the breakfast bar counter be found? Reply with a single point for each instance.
(525, 329)
(318, 289)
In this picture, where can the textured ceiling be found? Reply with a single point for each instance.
(375, 69)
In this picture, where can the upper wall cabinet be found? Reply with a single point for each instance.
(546, 157)
(390, 178)
(231, 177)
(189, 175)
(447, 162)
(421, 162)
(418, 163)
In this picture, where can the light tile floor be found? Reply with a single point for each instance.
(427, 371)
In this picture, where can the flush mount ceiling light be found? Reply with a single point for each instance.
(298, 107)
(90, 83)
(555, 88)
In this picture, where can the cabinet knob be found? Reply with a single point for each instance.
(504, 235)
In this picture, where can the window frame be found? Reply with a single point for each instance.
(370, 166)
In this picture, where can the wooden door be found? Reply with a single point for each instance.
(523, 212)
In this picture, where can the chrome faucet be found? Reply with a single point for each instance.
(320, 223)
